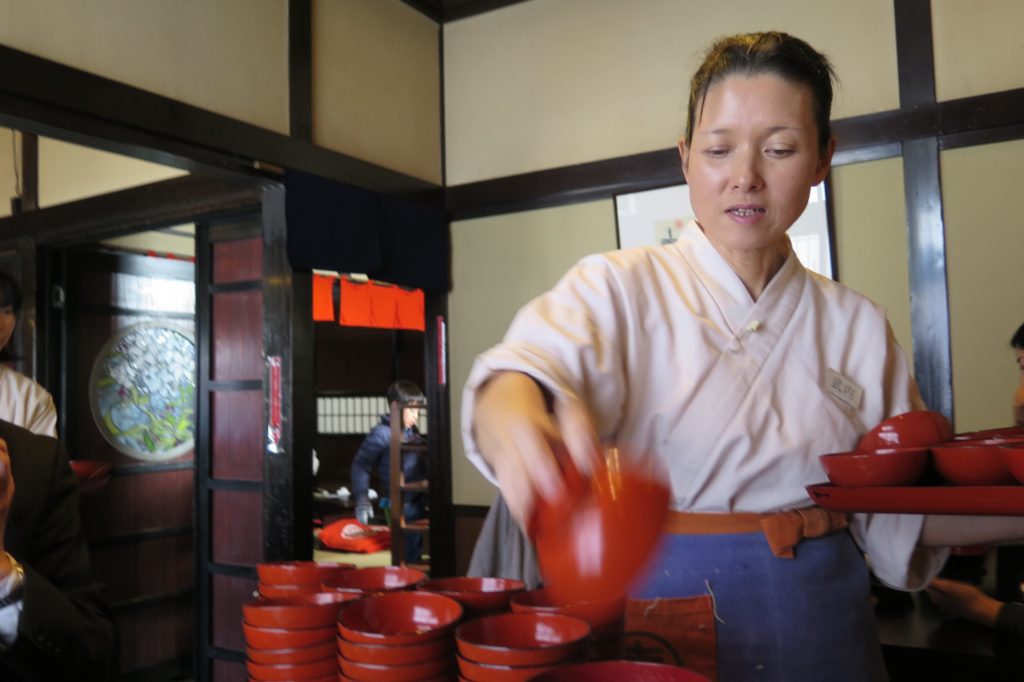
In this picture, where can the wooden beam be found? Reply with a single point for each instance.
(41, 96)
(29, 172)
(926, 238)
(153, 206)
(300, 69)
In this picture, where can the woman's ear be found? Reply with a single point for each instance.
(825, 162)
(684, 156)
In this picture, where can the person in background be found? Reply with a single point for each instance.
(1005, 618)
(1018, 397)
(22, 400)
(54, 624)
(374, 454)
(721, 355)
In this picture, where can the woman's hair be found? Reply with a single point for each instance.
(1018, 338)
(405, 391)
(10, 296)
(770, 52)
(10, 293)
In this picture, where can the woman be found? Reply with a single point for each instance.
(723, 356)
(22, 401)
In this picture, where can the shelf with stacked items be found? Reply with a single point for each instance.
(400, 526)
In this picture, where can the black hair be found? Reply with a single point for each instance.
(1018, 338)
(10, 297)
(773, 52)
(10, 293)
(405, 391)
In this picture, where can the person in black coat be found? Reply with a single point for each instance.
(54, 624)
(374, 454)
(1005, 618)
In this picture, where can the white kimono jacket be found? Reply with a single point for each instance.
(25, 403)
(673, 357)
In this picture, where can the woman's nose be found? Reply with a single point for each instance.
(746, 172)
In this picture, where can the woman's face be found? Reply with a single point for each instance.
(410, 415)
(1019, 352)
(753, 160)
(7, 321)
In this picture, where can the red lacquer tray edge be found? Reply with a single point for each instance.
(966, 500)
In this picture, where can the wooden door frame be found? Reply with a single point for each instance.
(287, 327)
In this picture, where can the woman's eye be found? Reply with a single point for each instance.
(779, 151)
(716, 152)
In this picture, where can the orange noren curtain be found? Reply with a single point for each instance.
(383, 306)
(323, 298)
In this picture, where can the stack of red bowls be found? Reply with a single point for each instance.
(515, 647)
(289, 578)
(398, 636)
(292, 638)
(374, 580)
(478, 596)
(607, 618)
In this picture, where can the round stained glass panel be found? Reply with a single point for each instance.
(142, 391)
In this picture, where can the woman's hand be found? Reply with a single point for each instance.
(518, 436)
(964, 600)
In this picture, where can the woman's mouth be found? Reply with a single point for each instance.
(745, 212)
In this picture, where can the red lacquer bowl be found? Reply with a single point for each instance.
(919, 428)
(92, 475)
(593, 541)
(279, 638)
(399, 618)
(287, 673)
(620, 671)
(888, 466)
(308, 654)
(375, 672)
(476, 594)
(601, 614)
(394, 654)
(1013, 458)
(519, 639)
(973, 463)
(278, 591)
(484, 672)
(302, 612)
(310, 573)
(375, 579)
(1006, 433)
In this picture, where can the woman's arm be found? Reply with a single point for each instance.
(953, 531)
(518, 437)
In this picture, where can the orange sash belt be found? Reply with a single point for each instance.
(782, 530)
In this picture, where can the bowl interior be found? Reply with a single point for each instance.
(376, 579)
(476, 594)
(304, 611)
(522, 631)
(398, 616)
(600, 614)
(298, 572)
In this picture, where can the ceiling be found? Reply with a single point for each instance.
(443, 11)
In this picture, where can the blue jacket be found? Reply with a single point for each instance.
(375, 453)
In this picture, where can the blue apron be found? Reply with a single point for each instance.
(804, 619)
